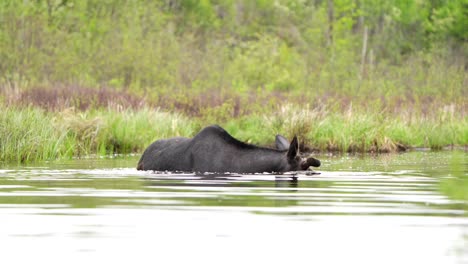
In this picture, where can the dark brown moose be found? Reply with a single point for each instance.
(214, 150)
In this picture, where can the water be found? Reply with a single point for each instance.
(385, 209)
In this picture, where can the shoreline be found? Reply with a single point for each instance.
(34, 134)
(136, 155)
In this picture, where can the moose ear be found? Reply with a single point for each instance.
(281, 143)
(293, 149)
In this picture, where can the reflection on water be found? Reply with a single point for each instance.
(405, 208)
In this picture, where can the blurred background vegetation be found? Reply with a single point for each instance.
(313, 47)
(367, 62)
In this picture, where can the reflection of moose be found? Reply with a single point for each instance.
(214, 150)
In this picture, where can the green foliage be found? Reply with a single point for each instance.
(449, 19)
(224, 44)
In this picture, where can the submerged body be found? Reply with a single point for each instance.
(214, 150)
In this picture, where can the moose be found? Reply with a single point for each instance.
(215, 150)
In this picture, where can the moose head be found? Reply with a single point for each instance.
(295, 162)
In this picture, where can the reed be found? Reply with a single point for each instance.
(32, 133)
(362, 131)
(26, 134)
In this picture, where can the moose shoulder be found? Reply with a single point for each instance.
(214, 150)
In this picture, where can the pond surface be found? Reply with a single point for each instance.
(402, 208)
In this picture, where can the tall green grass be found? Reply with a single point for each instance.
(356, 131)
(29, 133)
(26, 134)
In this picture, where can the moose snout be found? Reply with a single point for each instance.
(310, 161)
(313, 162)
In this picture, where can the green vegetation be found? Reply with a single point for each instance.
(101, 77)
(33, 134)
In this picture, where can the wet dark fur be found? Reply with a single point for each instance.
(214, 150)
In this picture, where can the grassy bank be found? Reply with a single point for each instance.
(32, 133)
